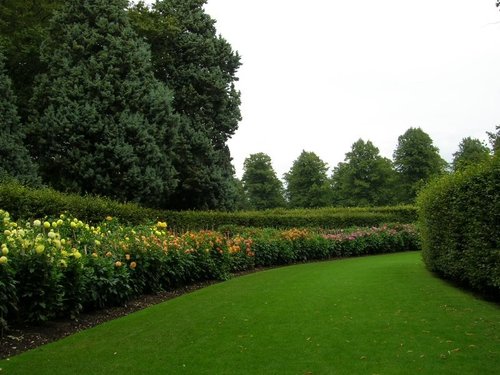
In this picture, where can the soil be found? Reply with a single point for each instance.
(19, 339)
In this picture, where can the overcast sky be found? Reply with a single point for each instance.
(318, 75)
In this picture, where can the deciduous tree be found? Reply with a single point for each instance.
(262, 187)
(494, 138)
(307, 182)
(471, 151)
(365, 178)
(416, 160)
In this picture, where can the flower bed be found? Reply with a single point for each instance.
(61, 267)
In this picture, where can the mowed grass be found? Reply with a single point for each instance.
(372, 315)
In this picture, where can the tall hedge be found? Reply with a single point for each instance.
(459, 219)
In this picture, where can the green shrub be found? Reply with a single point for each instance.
(27, 203)
(459, 221)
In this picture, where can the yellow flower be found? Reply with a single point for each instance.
(118, 263)
(3, 260)
(63, 263)
(5, 250)
(37, 223)
(95, 255)
(161, 224)
(39, 249)
(109, 218)
(46, 225)
(133, 265)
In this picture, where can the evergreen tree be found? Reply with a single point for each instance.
(365, 178)
(201, 69)
(470, 152)
(15, 161)
(262, 186)
(102, 123)
(23, 27)
(307, 182)
(416, 160)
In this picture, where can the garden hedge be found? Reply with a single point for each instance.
(25, 203)
(459, 220)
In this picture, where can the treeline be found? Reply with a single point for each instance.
(364, 178)
(126, 101)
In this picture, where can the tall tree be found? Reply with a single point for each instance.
(101, 122)
(23, 27)
(262, 186)
(15, 160)
(471, 151)
(307, 182)
(365, 178)
(416, 160)
(494, 138)
(201, 69)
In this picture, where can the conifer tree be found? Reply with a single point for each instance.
(15, 162)
(200, 67)
(101, 122)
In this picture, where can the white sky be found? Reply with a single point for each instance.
(320, 74)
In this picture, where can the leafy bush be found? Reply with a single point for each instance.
(459, 216)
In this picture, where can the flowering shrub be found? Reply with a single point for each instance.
(60, 267)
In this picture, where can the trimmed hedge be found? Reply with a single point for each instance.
(459, 220)
(26, 203)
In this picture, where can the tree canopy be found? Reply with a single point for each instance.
(494, 138)
(23, 27)
(15, 161)
(365, 178)
(200, 67)
(416, 160)
(307, 182)
(471, 151)
(262, 187)
(101, 122)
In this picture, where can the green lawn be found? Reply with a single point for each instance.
(373, 315)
